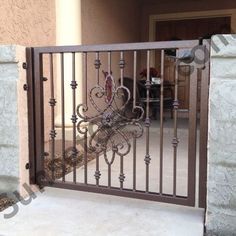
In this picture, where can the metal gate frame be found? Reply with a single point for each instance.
(36, 122)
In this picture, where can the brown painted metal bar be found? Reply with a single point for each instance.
(63, 117)
(31, 113)
(85, 158)
(122, 66)
(39, 117)
(175, 140)
(97, 64)
(134, 163)
(122, 176)
(124, 193)
(109, 62)
(134, 105)
(119, 47)
(147, 121)
(52, 103)
(205, 79)
(135, 79)
(192, 135)
(85, 71)
(109, 176)
(161, 121)
(97, 172)
(74, 117)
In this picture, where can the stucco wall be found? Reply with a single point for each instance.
(110, 21)
(27, 22)
(221, 184)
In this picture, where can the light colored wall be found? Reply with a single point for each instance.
(110, 21)
(27, 22)
(106, 22)
(221, 184)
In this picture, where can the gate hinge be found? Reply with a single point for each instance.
(27, 166)
(25, 65)
(26, 87)
(46, 154)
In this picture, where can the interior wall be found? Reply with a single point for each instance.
(110, 21)
(27, 22)
(107, 22)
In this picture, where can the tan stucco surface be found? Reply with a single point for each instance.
(105, 22)
(110, 21)
(27, 22)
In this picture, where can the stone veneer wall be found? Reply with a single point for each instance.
(13, 120)
(221, 192)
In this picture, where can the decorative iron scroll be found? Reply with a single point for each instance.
(114, 127)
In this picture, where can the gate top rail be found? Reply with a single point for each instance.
(118, 47)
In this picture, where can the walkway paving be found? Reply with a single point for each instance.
(58, 212)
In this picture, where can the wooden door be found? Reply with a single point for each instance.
(186, 30)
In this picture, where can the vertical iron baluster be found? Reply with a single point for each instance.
(109, 166)
(97, 172)
(161, 120)
(109, 62)
(192, 147)
(122, 66)
(122, 175)
(134, 163)
(203, 129)
(97, 64)
(74, 117)
(175, 140)
(63, 117)
(52, 103)
(109, 175)
(135, 79)
(85, 134)
(147, 121)
(134, 105)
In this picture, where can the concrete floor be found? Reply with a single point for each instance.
(58, 212)
(63, 212)
(182, 162)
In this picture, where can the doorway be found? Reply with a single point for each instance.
(187, 29)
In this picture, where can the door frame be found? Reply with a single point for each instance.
(185, 16)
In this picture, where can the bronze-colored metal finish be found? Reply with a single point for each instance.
(52, 103)
(205, 79)
(175, 140)
(74, 117)
(147, 158)
(192, 135)
(120, 121)
(29, 66)
(161, 121)
(63, 146)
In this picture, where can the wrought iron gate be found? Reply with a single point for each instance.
(65, 153)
